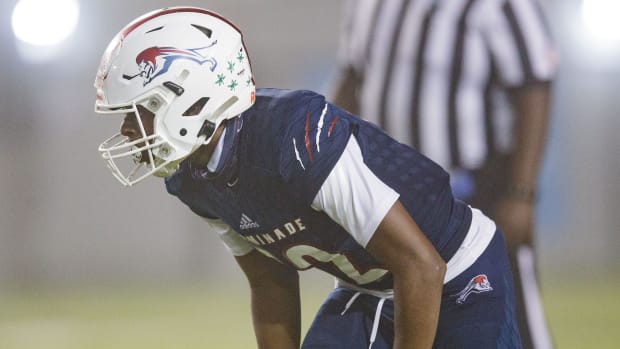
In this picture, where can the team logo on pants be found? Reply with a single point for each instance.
(478, 284)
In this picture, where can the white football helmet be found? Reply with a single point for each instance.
(186, 65)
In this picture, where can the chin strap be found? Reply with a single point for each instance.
(209, 132)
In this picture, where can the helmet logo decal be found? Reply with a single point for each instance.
(154, 61)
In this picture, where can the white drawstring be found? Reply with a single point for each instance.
(375, 322)
(346, 307)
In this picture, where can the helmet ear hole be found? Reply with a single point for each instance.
(197, 107)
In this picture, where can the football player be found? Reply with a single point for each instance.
(291, 182)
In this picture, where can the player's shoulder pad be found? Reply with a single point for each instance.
(267, 122)
(275, 103)
(315, 137)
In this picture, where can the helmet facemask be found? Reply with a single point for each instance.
(131, 160)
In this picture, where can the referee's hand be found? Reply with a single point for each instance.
(516, 219)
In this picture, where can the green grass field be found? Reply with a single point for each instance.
(581, 316)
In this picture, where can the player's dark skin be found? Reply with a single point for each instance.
(131, 129)
(398, 243)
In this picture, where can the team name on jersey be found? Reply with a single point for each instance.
(285, 230)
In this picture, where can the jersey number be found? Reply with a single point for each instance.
(297, 254)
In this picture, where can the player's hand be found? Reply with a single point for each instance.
(516, 219)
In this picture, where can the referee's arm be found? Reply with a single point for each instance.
(346, 93)
(515, 213)
(527, 63)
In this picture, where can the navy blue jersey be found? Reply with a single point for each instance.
(278, 153)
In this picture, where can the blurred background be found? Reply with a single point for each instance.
(85, 262)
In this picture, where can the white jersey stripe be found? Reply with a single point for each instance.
(297, 155)
(357, 203)
(319, 127)
(479, 236)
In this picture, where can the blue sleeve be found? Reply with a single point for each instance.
(314, 140)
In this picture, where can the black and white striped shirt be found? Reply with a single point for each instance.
(435, 72)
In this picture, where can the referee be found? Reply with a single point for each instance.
(466, 82)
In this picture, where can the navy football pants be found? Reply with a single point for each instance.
(482, 320)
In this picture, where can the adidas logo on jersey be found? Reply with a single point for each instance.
(247, 223)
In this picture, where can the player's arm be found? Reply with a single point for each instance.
(274, 290)
(275, 303)
(418, 272)
(367, 208)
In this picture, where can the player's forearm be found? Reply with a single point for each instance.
(532, 118)
(276, 314)
(417, 299)
(274, 289)
(418, 272)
